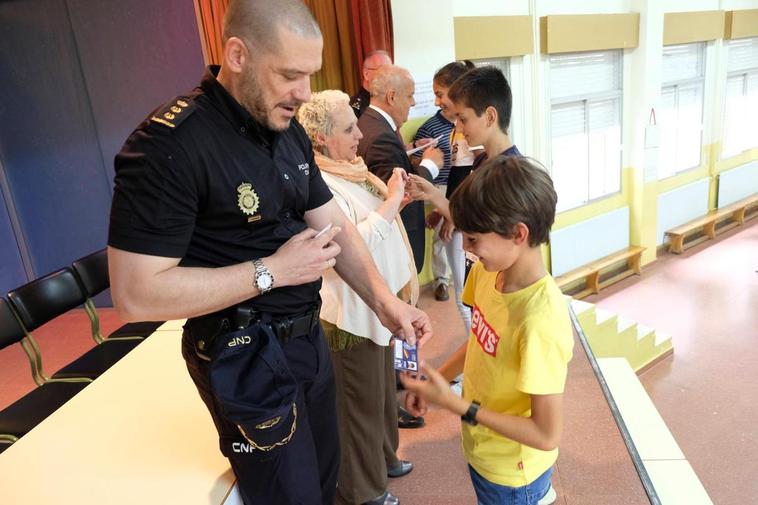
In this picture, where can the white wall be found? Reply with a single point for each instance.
(691, 5)
(462, 8)
(424, 42)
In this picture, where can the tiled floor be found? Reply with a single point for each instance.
(707, 299)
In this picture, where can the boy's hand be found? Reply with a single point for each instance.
(433, 219)
(435, 390)
(446, 231)
(415, 405)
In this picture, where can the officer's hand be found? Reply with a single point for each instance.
(304, 257)
(405, 321)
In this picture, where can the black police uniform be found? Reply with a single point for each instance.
(360, 101)
(201, 180)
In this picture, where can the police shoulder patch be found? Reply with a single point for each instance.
(174, 112)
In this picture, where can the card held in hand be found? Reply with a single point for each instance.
(406, 356)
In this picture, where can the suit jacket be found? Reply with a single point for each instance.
(382, 151)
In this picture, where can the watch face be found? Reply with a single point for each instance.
(264, 281)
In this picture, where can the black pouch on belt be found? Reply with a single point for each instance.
(254, 386)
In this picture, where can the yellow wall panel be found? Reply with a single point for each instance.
(741, 24)
(593, 32)
(686, 27)
(492, 36)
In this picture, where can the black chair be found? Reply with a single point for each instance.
(48, 297)
(92, 273)
(24, 414)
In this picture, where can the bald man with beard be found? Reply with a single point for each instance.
(215, 217)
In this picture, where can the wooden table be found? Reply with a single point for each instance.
(139, 434)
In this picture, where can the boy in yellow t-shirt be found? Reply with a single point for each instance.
(514, 362)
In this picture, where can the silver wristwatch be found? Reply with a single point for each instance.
(264, 279)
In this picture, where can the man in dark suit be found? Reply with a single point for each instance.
(383, 149)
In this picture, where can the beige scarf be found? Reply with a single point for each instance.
(357, 171)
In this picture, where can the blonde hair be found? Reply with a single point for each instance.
(316, 114)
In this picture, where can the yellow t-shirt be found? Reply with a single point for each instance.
(520, 344)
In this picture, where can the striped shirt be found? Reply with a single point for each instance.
(432, 128)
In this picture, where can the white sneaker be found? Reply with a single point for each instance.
(549, 497)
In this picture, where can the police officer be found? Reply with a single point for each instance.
(215, 213)
(373, 62)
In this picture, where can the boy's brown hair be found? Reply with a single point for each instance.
(484, 87)
(504, 191)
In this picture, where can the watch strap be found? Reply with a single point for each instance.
(470, 415)
(261, 270)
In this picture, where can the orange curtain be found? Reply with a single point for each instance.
(210, 21)
(339, 24)
(372, 27)
(338, 70)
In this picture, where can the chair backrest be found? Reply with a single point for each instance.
(11, 330)
(46, 298)
(92, 271)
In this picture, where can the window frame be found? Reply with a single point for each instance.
(744, 74)
(676, 85)
(588, 100)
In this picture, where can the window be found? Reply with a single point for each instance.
(585, 126)
(741, 104)
(501, 63)
(681, 112)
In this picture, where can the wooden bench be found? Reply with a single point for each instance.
(735, 214)
(591, 272)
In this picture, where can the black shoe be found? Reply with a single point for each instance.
(386, 499)
(404, 468)
(406, 420)
(441, 294)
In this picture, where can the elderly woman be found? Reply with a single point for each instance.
(360, 345)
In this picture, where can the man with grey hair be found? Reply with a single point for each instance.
(373, 62)
(382, 149)
(215, 213)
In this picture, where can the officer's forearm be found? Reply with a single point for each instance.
(149, 288)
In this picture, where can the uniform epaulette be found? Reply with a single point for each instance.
(174, 112)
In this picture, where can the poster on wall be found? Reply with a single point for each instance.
(424, 97)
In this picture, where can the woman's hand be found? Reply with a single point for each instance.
(396, 184)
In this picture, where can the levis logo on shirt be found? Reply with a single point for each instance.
(485, 335)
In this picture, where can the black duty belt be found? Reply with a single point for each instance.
(206, 328)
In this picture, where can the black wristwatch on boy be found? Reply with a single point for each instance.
(470, 415)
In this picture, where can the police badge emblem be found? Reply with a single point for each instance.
(247, 199)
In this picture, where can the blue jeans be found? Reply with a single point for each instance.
(489, 493)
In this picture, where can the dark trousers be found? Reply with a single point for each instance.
(304, 471)
(367, 419)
